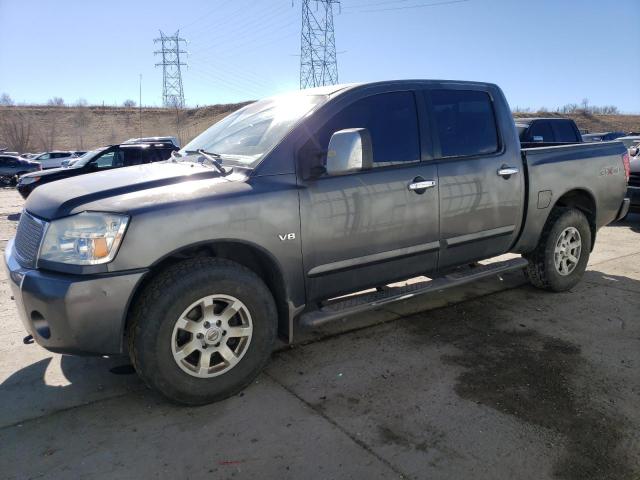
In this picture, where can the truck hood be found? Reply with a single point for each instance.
(127, 189)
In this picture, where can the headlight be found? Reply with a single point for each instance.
(28, 180)
(89, 238)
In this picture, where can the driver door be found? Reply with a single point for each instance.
(367, 228)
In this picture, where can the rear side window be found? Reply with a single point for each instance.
(543, 131)
(465, 122)
(392, 121)
(564, 131)
(158, 154)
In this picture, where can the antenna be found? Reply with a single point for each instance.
(172, 91)
(318, 61)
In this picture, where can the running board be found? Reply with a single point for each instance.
(344, 307)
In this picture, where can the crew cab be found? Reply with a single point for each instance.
(540, 132)
(100, 159)
(299, 210)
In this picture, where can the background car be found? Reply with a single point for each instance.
(52, 159)
(173, 140)
(629, 140)
(105, 158)
(11, 167)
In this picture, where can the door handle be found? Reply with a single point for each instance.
(419, 185)
(506, 171)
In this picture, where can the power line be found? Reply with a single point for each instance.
(172, 90)
(318, 60)
(407, 7)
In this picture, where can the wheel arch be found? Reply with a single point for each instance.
(244, 253)
(583, 200)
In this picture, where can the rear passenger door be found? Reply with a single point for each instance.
(480, 205)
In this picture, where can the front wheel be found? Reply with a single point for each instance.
(560, 259)
(202, 330)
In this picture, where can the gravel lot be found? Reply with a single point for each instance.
(491, 381)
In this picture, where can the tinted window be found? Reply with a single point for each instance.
(564, 131)
(466, 124)
(156, 155)
(543, 130)
(392, 121)
(132, 156)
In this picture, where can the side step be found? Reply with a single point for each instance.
(344, 307)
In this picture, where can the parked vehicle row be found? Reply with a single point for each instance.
(105, 158)
(263, 223)
(12, 167)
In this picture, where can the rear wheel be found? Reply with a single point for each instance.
(202, 330)
(560, 259)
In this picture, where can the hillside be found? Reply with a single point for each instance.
(38, 128)
(594, 123)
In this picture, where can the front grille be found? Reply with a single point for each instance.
(28, 238)
(634, 180)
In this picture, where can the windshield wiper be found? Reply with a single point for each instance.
(214, 158)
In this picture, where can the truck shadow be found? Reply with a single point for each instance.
(520, 372)
(62, 381)
(632, 221)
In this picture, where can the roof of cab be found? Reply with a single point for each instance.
(343, 87)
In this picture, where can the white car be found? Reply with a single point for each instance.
(52, 159)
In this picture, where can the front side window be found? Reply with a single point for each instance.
(392, 122)
(465, 122)
(110, 159)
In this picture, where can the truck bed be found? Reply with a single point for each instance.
(595, 169)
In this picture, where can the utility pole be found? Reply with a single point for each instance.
(172, 91)
(140, 108)
(318, 61)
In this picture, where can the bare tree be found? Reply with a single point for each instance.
(80, 122)
(5, 100)
(585, 104)
(81, 102)
(56, 102)
(15, 131)
(47, 135)
(129, 103)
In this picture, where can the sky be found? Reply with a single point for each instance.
(543, 53)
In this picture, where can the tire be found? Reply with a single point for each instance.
(542, 270)
(155, 333)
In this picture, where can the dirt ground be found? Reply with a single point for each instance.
(495, 380)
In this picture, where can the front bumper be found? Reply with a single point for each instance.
(633, 193)
(75, 314)
(25, 190)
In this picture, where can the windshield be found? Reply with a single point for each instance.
(84, 159)
(249, 133)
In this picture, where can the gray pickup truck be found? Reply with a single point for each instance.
(298, 210)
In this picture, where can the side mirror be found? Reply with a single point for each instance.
(349, 150)
(538, 138)
(633, 151)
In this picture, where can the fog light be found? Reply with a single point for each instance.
(40, 325)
